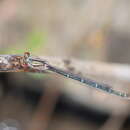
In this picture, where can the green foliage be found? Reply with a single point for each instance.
(33, 43)
(37, 75)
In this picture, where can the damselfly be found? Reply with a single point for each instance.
(33, 62)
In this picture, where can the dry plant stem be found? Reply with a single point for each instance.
(11, 63)
(117, 118)
(114, 122)
(43, 114)
(27, 63)
(17, 63)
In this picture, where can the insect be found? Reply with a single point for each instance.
(33, 62)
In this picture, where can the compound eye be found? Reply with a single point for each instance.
(26, 55)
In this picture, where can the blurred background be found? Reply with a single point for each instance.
(88, 30)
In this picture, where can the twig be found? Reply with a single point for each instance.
(18, 63)
(27, 63)
(117, 118)
(44, 111)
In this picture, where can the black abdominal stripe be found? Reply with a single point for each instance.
(89, 82)
(103, 87)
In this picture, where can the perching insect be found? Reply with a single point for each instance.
(32, 62)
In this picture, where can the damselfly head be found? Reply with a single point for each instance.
(26, 55)
(34, 62)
